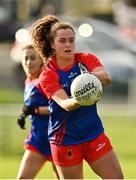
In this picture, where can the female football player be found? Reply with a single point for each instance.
(75, 132)
(37, 147)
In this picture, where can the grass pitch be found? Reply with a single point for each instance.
(120, 128)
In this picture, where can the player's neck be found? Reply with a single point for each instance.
(63, 63)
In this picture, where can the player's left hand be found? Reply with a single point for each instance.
(21, 121)
(27, 110)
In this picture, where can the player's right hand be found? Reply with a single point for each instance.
(21, 121)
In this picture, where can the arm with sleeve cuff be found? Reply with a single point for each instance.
(41, 110)
(27, 110)
(95, 67)
(49, 83)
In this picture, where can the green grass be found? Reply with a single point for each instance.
(121, 131)
(10, 165)
(11, 96)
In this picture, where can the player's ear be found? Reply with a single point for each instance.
(41, 65)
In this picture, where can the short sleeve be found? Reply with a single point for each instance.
(49, 82)
(91, 61)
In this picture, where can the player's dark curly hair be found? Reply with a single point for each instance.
(43, 33)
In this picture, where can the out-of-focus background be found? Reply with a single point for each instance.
(106, 28)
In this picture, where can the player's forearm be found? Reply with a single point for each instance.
(43, 110)
(63, 100)
(103, 76)
(69, 104)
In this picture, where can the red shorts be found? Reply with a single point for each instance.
(33, 149)
(90, 151)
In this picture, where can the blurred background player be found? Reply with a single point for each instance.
(125, 17)
(37, 147)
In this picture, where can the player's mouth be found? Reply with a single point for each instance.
(29, 68)
(68, 51)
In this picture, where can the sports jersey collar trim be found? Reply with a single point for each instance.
(66, 68)
(29, 81)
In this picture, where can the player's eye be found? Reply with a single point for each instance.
(62, 40)
(72, 40)
(25, 59)
(33, 58)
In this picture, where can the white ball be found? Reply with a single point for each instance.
(86, 89)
